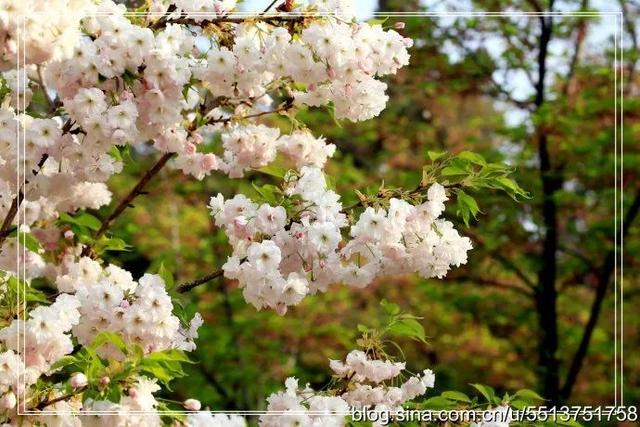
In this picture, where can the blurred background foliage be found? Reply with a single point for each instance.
(473, 84)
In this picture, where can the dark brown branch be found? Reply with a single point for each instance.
(226, 120)
(535, 5)
(631, 29)
(5, 229)
(545, 291)
(266, 9)
(126, 201)
(215, 383)
(581, 32)
(523, 104)
(272, 19)
(604, 277)
(506, 262)
(50, 402)
(185, 287)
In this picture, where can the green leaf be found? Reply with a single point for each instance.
(466, 206)
(166, 275)
(389, 307)
(172, 355)
(377, 21)
(528, 396)
(267, 193)
(456, 395)
(276, 171)
(362, 328)
(27, 240)
(472, 157)
(84, 219)
(108, 337)
(436, 155)
(165, 365)
(409, 328)
(453, 171)
(486, 391)
(111, 244)
(438, 402)
(512, 188)
(63, 362)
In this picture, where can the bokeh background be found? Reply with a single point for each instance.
(515, 316)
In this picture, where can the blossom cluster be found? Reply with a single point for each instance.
(63, 173)
(365, 385)
(34, 344)
(140, 312)
(338, 63)
(255, 146)
(279, 256)
(39, 24)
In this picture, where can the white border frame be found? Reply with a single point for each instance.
(618, 190)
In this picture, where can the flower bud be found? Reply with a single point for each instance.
(68, 234)
(281, 308)
(8, 400)
(189, 148)
(209, 162)
(105, 380)
(78, 380)
(398, 25)
(192, 405)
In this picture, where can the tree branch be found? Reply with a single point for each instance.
(226, 120)
(5, 229)
(580, 36)
(231, 19)
(604, 277)
(126, 201)
(506, 262)
(545, 291)
(185, 287)
(269, 7)
(631, 29)
(50, 402)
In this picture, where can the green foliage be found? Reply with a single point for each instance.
(122, 372)
(27, 240)
(470, 171)
(80, 223)
(17, 297)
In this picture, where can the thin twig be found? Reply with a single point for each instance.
(604, 278)
(230, 19)
(190, 285)
(50, 402)
(5, 229)
(269, 7)
(225, 120)
(126, 201)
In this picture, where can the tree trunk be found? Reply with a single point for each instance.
(545, 293)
